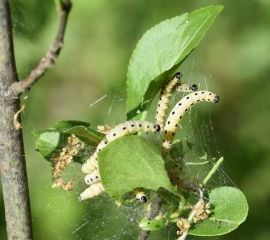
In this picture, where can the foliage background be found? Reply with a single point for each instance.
(234, 57)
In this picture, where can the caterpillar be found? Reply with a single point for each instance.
(90, 167)
(165, 95)
(92, 178)
(92, 191)
(129, 127)
(179, 110)
(183, 87)
(141, 196)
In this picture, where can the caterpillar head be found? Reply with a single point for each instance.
(178, 75)
(216, 99)
(193, 87)
(143, 199)
(141, 196)
(157, 127)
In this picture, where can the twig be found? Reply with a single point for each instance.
(212, 171)
(154, 211)
(48, 61)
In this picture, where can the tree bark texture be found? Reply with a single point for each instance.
(12, 160)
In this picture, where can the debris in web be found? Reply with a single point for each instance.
(62, 160)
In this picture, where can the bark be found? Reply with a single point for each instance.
(12, 160)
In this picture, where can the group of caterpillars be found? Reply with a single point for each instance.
(167, 128)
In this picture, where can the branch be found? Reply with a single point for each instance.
(48, 61)
(12, 161)
(154, 211)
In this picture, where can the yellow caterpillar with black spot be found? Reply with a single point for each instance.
(165, 95)
(178, 112)
(126, 128)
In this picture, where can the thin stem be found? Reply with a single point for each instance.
(154, 211)
(197, 163)
(52, 54)
(213, 170)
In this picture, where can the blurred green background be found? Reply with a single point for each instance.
(233, 57)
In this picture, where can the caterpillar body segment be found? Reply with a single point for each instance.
(92, 191)
(126, 128)
(178, 112)
(131, 127)
(164, 99)
(165, 95)
(90, 165)
(101, 145)
(92, 178)
(187, 88)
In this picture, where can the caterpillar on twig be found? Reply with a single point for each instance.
(179, 110)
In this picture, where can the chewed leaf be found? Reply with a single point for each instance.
(132, 162)
(230, 209)
(162, 48)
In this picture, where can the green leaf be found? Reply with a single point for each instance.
(152, 224)
(132, 162)
(80, 129)
(230, 210)
(47, 143)
(52, 140)
(87, 135)
(162, 48)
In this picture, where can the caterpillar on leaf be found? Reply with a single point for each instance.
(92, 191)
(92, 178)
(140, 196)
(180, 109)
(172, 85)
(90, 167)
(126, 128)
